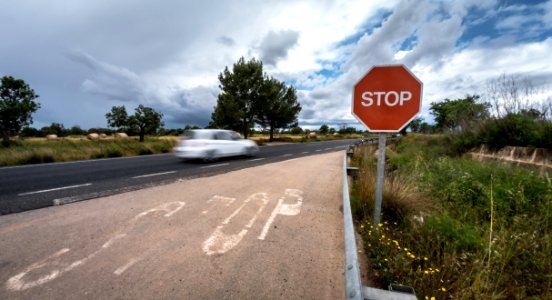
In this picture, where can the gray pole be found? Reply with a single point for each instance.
(379, 179)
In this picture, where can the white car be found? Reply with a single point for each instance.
(210, 144)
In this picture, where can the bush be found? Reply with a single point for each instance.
(512, 130)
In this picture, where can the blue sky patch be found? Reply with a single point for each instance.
(517, 19)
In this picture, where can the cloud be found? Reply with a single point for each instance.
(226, 41)
(110, 81)
(276, 45)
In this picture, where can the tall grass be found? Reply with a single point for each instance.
(436, 225)
(32, 151)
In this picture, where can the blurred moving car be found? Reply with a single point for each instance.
(210, 144)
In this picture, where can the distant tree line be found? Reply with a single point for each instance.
(511, 116)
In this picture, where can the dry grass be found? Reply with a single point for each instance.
(40, 150)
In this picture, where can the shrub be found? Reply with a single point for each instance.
(512, 130)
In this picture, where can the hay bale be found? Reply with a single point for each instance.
(120, 135)
(103, 135)
(51, 137)
(93, 136)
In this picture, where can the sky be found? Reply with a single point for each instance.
(83, 57)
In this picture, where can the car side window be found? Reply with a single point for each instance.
(223, 136)
(235, 136)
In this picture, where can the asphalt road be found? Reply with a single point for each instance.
(36, 186)
(273, 231)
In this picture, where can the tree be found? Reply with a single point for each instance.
(277, 106)
(459, 114)
(240, 89)
(324, 129)
(416, 124)
(511, 95)
(145, 120)
(17, 103)
(296, 130)
(117, 117)
(54, 128)
(76, 130)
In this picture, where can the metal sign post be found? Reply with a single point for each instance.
(380, 176)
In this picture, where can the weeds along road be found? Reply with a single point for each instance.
(268, 232)
(36, 186)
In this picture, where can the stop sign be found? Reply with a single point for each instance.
(387, 98)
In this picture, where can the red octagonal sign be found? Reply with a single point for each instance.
(387, 98)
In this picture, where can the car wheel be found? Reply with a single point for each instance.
(210, 156)
(251, 151)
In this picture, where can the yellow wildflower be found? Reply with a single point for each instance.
(443, 289)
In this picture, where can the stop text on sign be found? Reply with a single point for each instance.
(387, 98)
(390, 98)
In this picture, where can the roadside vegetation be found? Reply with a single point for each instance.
(40, 150)
(453, 227)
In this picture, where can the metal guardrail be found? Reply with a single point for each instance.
(353, 285)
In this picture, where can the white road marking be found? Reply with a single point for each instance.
(214, 166)
(55, 189)
(284, 209)
(122, 269)
(256, 159)
(318, 150)
(219, 242)
(217, 199)
(18, 283)
(286, 155)
(306, 152)
(154, 174)
(328, 149)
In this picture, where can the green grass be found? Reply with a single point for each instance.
(33, 151)
(437, 236)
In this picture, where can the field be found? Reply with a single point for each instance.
(40, 150)
(453, 227)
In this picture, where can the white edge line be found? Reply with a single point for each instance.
(55, 189)
(306, 152)
(154, 174)
(256, 159)
(214, 166)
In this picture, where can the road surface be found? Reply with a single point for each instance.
(36, 186)
(268, 232)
